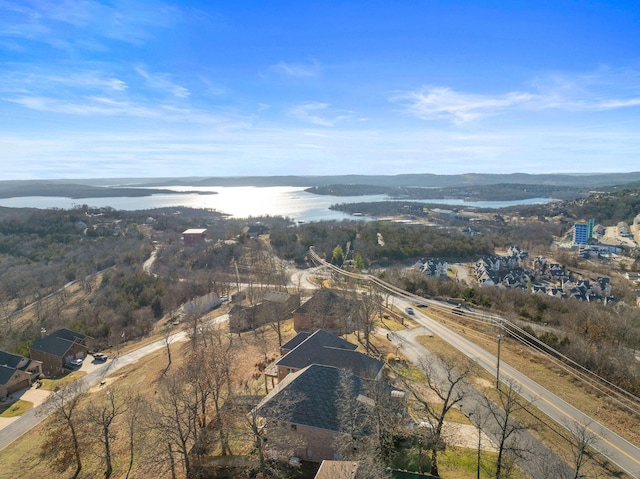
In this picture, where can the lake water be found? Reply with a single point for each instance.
(242, 202)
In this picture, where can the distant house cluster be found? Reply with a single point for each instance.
(541, 277)
(433, 268)
(490, 270)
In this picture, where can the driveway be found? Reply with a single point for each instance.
(32, 394)
(37, 396)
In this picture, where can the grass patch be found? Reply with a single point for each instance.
(462, 463)
(16, 409)
(458, 462)
(392, 325)
(51, 384)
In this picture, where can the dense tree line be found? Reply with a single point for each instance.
(607, 208)
(498, 192)
(376, 242)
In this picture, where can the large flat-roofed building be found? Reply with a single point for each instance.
(581, 233)
(194, 236)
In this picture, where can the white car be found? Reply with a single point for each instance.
(100, 357)
(76, 362)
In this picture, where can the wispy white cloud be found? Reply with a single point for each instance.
(590, 92)
(84, 24)
(318, 113)
(136, 94)
(296, 70)
(162, 82)
(38, 81)
(108, 107)
(441, 102)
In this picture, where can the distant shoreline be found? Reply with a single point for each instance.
(468, 187)
(78, 192)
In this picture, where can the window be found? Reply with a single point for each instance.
(309, 454)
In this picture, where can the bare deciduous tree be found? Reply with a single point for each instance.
(65, 405)
(501, 414)
(446, 378)
(369, 414)
(102, 413)
(133, 419)
(275, 439)
(174, 419)
(581, 441)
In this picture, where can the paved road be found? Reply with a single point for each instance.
(31, 418)
(535, 459)
(615, 448)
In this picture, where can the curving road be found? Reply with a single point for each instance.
(34, 416)
(615, 448)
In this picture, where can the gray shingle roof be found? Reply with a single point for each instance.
(295, 341)
(308, 397)
(9, 359)
(58, 342)
(330, 303)
(6, 373)
(325, 348)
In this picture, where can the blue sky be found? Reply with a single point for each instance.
(128, 88)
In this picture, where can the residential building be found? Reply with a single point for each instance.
(56, 350)
(328, 310)
(275, 306)
(623, 230)
(193, 237)
(17, 372)
(581, 232)
(202, 304)
(326, 349)
(305, 402)
(337, 470)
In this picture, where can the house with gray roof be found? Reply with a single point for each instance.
(56, 350)
(17, 372)
(329, 310)
(306, 403)
(275, 306)
(293, 342)
(327, 349)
